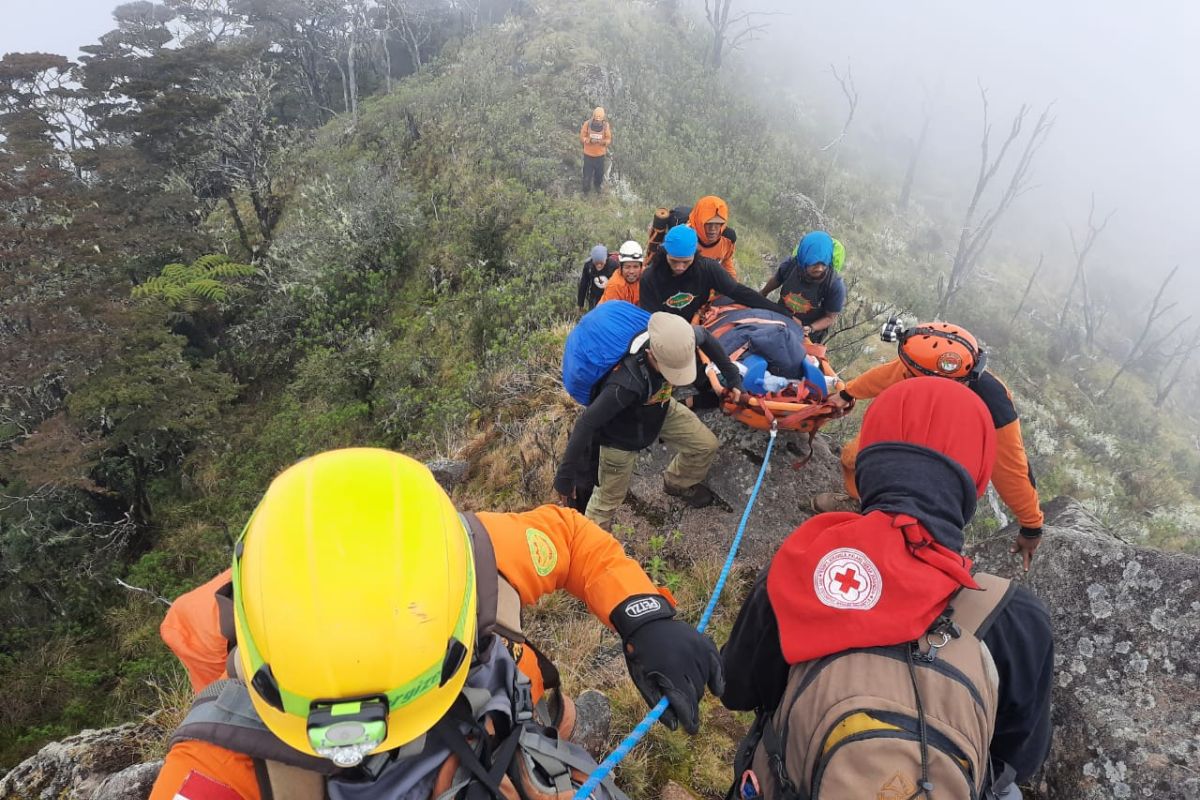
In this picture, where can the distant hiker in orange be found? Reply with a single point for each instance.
(626, 282)
(595, 136)
(709, 219)
(939, 349)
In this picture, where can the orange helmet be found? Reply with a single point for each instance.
(942, 350)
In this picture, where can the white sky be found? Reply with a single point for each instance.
(53, 26)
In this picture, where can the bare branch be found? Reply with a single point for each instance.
(850, 91)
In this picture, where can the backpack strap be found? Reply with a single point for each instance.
(222, 714)
(498, 607)
(773, 744)
(975, 611)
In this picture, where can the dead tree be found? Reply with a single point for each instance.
(977, 228)
(850, 92)
(730, 30)
(1025, 295)
(910, 173)
(1167, 378)
(1079, 277)
(1157, 310)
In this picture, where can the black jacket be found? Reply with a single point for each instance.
(589, 292)
(621, 415)
(685, 294)
(1020, 641)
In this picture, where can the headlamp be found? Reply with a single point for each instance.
(347, 730)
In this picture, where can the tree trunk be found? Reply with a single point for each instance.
(911, 172)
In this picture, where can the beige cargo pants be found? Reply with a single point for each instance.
(695, 448)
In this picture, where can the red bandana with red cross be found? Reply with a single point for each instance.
(845, 580)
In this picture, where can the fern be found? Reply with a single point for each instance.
(188, 288)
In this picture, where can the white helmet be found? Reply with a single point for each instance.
(630, 251)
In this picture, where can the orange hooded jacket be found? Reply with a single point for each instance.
(1011, 474)
(591, 145)
(723, 248)
(584, 559)
(619, 289)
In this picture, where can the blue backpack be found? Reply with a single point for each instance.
(599, 341)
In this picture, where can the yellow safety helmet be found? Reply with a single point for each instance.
(354, 599)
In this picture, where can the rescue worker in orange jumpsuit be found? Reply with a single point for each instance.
(944, 350)
(625, 284)
(596, 136)
(710, 220)
(372, 635)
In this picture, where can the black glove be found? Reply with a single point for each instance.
(1031, 533)
(666, 656)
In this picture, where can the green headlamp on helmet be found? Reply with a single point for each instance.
(347, 730)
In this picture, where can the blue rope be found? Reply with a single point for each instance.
(638, 733)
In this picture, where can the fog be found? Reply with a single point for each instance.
(1124, 78)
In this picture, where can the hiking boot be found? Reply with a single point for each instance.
(834, 501)
(697, 496)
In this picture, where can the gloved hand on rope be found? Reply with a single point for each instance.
(667, 657)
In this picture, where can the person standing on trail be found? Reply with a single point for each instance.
(709, 219)
(373, 636)
(596, 137)
(633, 407)
(868, 635)
(680, 282)
(625, 282)
(597, 270)
(943, 350)
(809, 285)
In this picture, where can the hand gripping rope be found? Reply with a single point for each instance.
(638, 733)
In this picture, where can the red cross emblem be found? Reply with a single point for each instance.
(847, 581)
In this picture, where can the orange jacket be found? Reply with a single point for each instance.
(593, 146)
(723, 248)
(1011, 474)
(581, 558)
(618, 289)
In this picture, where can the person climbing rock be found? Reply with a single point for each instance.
(596, 137)
(809, 286)
(944, 350)
(374, 638)
(678, 281)
(862, 637)
(632, 407)
(626, 281)
(709, 219)
(597, 270)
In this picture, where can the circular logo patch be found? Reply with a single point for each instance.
(542, 551)
(949, 363)
(846, 578)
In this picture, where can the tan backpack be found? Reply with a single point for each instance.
(890, 723)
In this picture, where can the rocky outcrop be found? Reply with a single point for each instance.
(1127, 628)
(92, 765)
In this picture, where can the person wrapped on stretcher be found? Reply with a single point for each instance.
(786, 376)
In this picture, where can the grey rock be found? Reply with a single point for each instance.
(131, 782)
(593, 722)
(85, 767)
(449, 472)
(706, 534)
(1127, 687)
